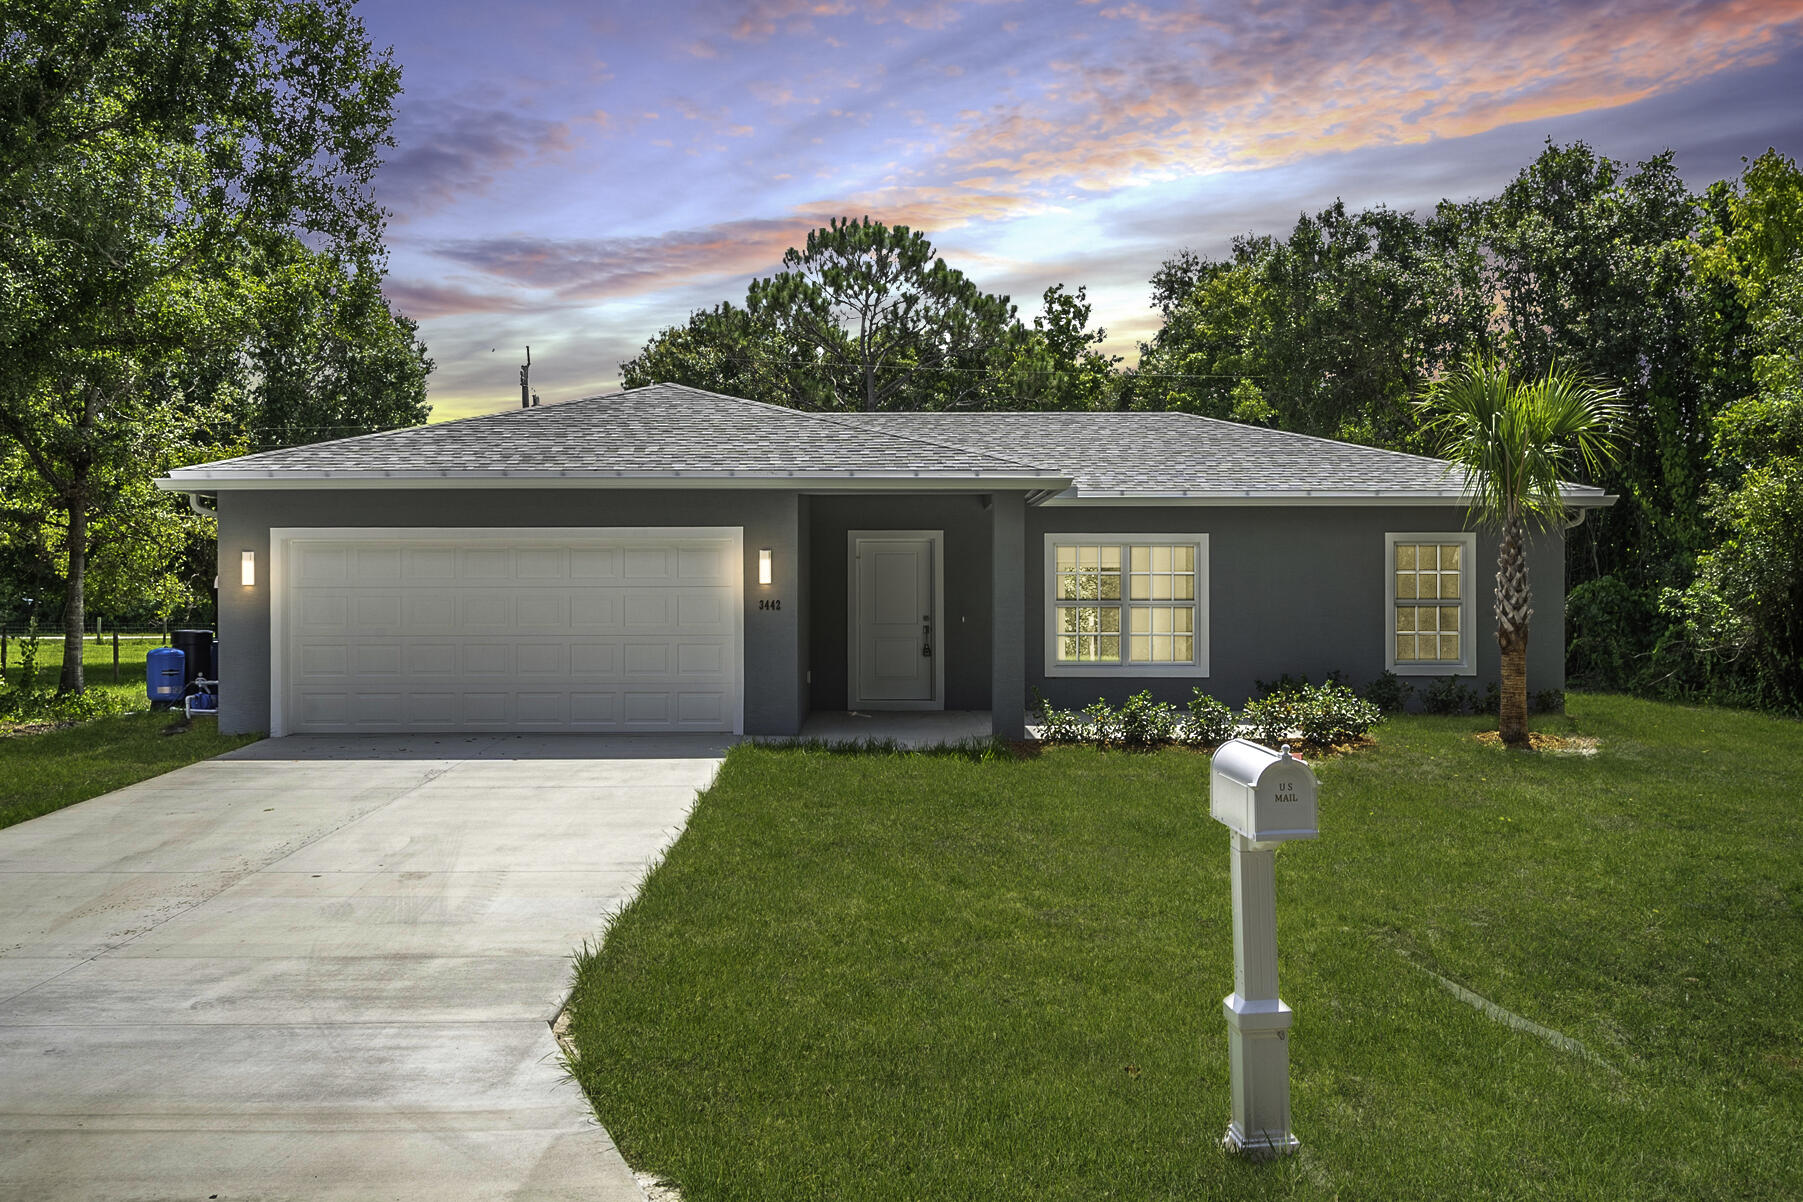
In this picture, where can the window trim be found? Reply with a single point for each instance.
(1467, 663)
(1126, 668)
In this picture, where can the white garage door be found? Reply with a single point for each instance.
(516, 630)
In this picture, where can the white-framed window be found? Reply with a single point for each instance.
(1430, 615)
(1126, 604)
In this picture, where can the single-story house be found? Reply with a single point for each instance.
(669, 559)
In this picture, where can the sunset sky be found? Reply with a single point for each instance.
(579, 175)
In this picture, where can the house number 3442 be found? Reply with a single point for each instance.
(769, 603)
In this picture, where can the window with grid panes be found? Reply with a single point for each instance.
(1430, 611)
(1126, 603)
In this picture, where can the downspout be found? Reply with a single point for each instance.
(202, 510)
(1574, 523)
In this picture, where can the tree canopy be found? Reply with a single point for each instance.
(190, 261)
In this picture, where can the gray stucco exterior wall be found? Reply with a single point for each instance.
(774, 666)
(1296, 589)
(1008, 688)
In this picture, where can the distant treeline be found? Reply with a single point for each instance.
(1691, 304)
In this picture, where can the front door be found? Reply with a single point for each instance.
(895, 620)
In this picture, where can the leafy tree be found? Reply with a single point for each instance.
(1591, 266)
(1057, 364)
(1516, 439)
(157, 162)
(729, 350)
(328, 357)
(1329, 331)
(877, 305)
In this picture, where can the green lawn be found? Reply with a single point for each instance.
(44, 772)
(926, 977)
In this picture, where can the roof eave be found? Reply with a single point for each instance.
(839, 481)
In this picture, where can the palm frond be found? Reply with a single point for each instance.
(1517, 440)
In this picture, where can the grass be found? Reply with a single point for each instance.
(46, 769)
(927, 977)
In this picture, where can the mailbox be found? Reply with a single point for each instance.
(1267, 796)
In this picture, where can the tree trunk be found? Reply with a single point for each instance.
(1513, 611)
(74, 611)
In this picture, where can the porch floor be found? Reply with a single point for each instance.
(911, 729)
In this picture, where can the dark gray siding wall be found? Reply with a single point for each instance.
(774, 656)
(1298, 590)
(965, 625)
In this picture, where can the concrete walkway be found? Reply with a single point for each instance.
(323, 968)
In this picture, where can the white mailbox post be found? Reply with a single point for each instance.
(1265, 798)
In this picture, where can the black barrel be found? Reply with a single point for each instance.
(196, 647)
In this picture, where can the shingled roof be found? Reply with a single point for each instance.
(670, 435)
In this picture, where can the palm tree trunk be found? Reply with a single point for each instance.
(1514, 609)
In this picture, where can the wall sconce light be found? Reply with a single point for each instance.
(764, 554)
(247, 569)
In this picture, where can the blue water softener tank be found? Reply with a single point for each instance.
(163, 672)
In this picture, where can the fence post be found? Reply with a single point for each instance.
(115, 657)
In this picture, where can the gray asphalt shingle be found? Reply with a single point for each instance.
(669, 429)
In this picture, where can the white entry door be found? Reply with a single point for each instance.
(895, 641)
(581, 629)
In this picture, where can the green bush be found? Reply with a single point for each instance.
(1389, 693)
(1104, 724)
(1271, 718)
(1210, 722)
(1332, 713)
(1058, 725)
(1447, 696)
(1143, 722)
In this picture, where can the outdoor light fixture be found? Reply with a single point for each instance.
(764, 565)
(247, 569)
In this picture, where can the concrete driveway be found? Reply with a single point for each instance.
(323, 968)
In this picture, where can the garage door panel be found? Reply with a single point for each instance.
(431, 612)
(701, 660)
(542, 659)
(540, 563)
(594, 563)
(431, 711)
(541, 610)
(595, 609)
(596, 632)
(380, 660)
(321, 565)
(484, 610)
(486, 564)
(648, 564)
(488, 659)
(321, 661)
(431, 659)
(434, 565)
(595, 661)
(323, 613)
(377, 611)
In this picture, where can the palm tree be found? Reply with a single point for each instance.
(1516, 439)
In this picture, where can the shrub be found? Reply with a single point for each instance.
(1284, 686)
(1104, 724)
(1389, 693)
(1548, 701)
(1210, 722)
(1271, 718)
(1333, 713)
(1447, 696)
(1144, 722)
(1057, 725)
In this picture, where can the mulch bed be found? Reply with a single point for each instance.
(1537, 741)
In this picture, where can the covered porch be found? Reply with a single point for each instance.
(914, 621)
